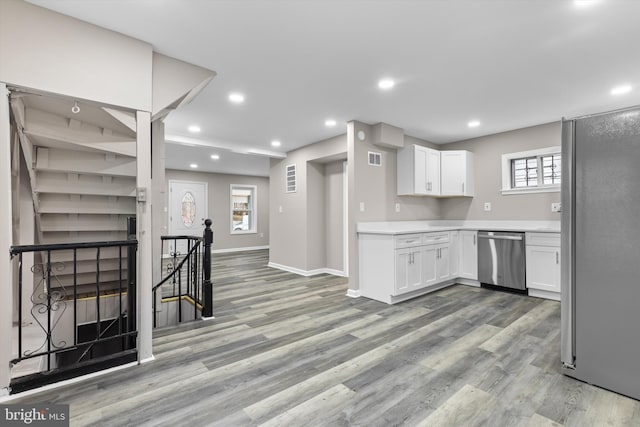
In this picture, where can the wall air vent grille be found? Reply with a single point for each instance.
(291, 178)
(375, 159)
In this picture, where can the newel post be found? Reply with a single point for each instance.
(207, 306)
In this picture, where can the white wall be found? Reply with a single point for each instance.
(48, 51)
(291, 244)
(488, 151)
(219, 209)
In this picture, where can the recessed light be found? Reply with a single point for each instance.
(215, 156)
(619, 90)
(275, 143)
(473, 124)
(194, 129)
(193, 166)
(330, 123)
(386, 84)
(238, 98)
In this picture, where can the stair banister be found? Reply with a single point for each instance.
(207, 309)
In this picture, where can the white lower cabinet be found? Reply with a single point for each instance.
(396, 267)
(543, 265)
(419, 263)
(469, 254)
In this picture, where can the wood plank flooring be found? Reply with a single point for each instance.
(285, 350)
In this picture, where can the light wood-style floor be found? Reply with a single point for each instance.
(291, 351)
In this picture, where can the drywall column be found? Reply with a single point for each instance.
(145, 237)
(158, 194)
(6, 233)
(352, 208)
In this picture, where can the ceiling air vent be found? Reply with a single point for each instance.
(375, 159)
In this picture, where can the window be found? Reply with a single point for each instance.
(243, 209)
(533, 171)
(291, 178)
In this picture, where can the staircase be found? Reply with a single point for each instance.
(82, 173)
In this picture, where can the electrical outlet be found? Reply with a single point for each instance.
(280, 209)
(361, 206)
(556, 207)
(397, 207)
(261, 235)
(487, 206)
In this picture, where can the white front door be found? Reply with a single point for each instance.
(187, 211)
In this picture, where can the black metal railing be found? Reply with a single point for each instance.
(81, 299)
(186, 275)
(181, 275)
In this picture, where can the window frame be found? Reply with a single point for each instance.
(252, 209)
(507, 172)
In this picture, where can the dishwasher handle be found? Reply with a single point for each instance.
(486, 236)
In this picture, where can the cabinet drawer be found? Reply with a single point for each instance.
(407, 240)
(433, 238)
(543, 239)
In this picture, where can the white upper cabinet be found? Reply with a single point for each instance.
(423, 171)
(418, 171)
(456, 173)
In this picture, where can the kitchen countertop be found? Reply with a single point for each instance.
(405, 227)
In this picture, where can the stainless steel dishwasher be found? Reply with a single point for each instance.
(501, 259)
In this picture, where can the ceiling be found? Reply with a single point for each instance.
(506, 64)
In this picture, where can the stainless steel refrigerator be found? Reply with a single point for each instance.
(601, 250)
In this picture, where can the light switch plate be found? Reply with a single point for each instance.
(487, 206)
(556, 207)
(361, 206)
(397, 207)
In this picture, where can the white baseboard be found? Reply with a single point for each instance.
(539, 293)
(354, 293)
(246, 249)
(306, 273)
(148, 359)
(468, 282)
(69, 381)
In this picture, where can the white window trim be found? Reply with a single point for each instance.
(506, 172)
(254, 209)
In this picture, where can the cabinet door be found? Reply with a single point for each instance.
(453, 171)
(456, 172)
(543, 268)
(444, 262)
(433, 172)
(429, 265)
(469, 254)
(408, 270)
(454, 253)
(420, 171)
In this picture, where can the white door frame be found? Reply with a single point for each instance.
(345, 222)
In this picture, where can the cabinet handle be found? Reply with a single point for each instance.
(474, 240)
(557, 258)
(428, 186)
(438, 252)
(463, 188)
